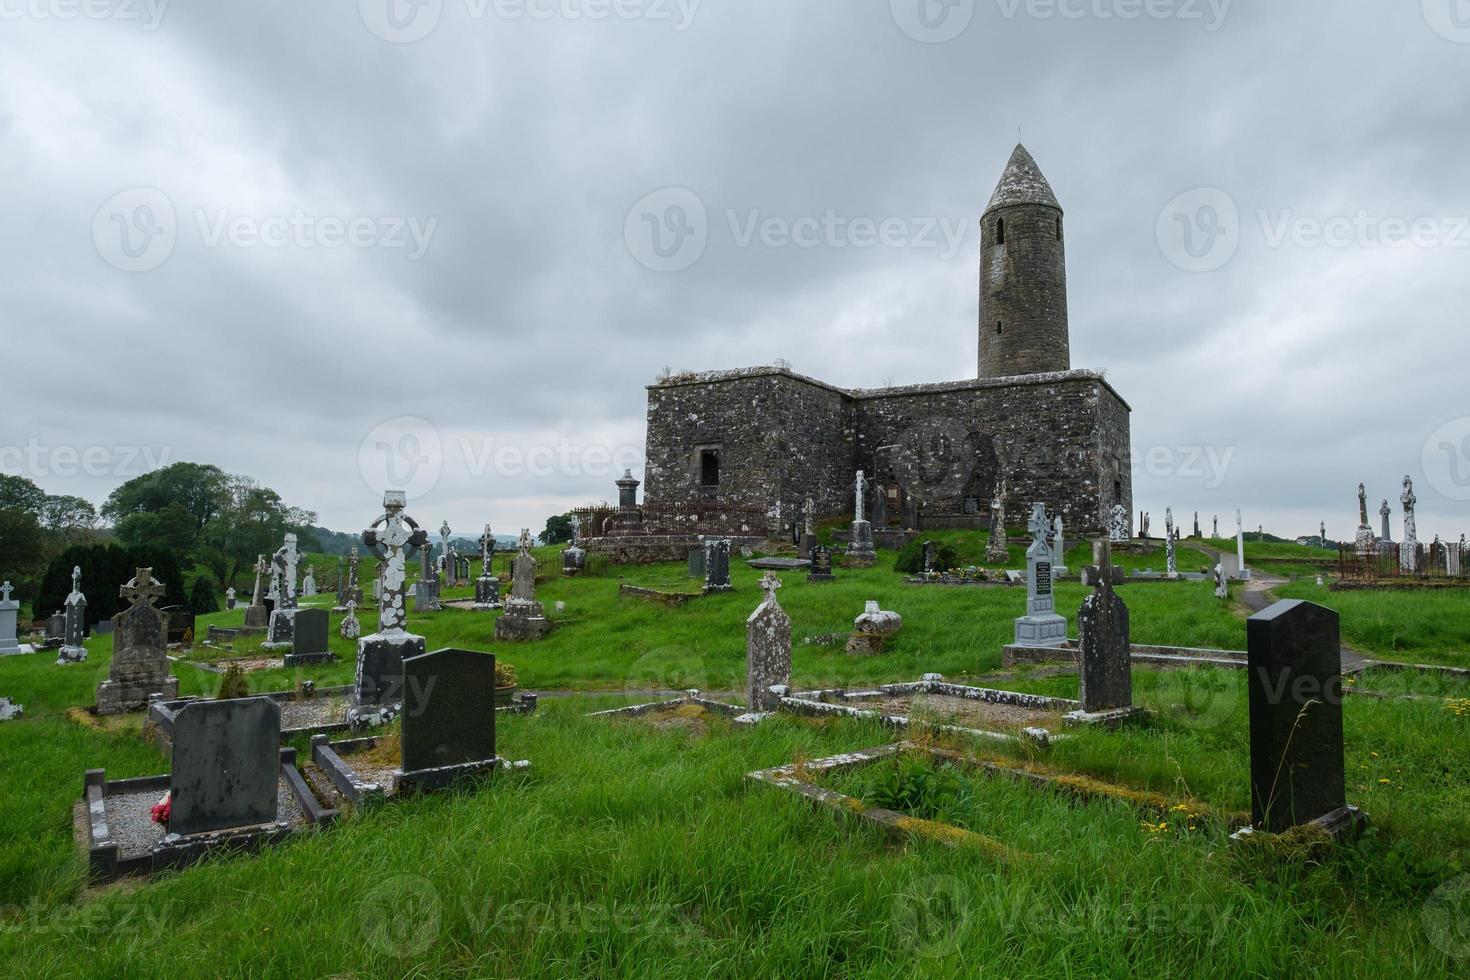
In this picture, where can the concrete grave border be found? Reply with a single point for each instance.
(106, 862)
(332, 758)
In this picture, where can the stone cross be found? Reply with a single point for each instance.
(487, 549)
(1240, 542)
(1322, 528)
(142, 588)
(394, 538)
(1362, 505)
(76, 578)
(861, 490)
(286, 561)
(1168, 522)
(259, 573)
(444, 537)
(769, 584)
(1105, 648)
(1409, 550)
(1216, 533)
(1118, 530)
(1039, 525)
(352, 562)
(1171, 553)
(1385, 512)
(767, 649)
(808, 516)
(5, 591)
(1196, 524)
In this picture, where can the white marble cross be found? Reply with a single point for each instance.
(770, 583)
(398, 538)
(5, 591)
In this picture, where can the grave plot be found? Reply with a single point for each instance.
(231, 787)
(935, 704)
(306, 712)
(1010, 811)
(690, 713)
(446, 734)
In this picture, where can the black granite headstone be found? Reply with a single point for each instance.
(226, 765)
(1295, 669)
(448, 709)
(717, 566)
(821, 565)
(180, 622)
(696, 562)
(309, 638)
(380, 667)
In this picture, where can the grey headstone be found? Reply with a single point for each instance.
(767, 649)
(139, 652)
(448, 709)
(717, 566)
(696, 562)
(226, 765)
(1106, 650)
(9, 611)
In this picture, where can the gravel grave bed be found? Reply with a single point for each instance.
(130, 822)
(949, 710)
(313, 713)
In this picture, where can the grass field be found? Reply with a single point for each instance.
(633, 850)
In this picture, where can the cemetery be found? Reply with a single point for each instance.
(1056, 610)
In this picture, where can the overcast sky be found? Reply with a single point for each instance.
(279, 236)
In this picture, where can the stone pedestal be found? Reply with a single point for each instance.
(377, 691)
(872, 630)
(282, 634)
(256, 621)
(861, 553)
(523, 621)
(487, 593)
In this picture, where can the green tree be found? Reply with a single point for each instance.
(22, 549)
(558, 529)
(171, 527)
(68, 516)
(16, 492)
(203, 598)
(197, 488)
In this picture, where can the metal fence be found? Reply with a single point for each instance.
(1437, 560)
(645, 520)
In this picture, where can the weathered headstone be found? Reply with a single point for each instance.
(861, 551)
(1385, 512)
(717, 565)
(872, 629)
(1105, 652)
(10, 711)
(524, 618)
(767, 649)
(308, 583)
(448, 709)
(53, 637)
(1222, 590)
(696, 562)
(74, 651)
(180, 624)
(487, 586)
(426, 592)
(9, 615)
(1060, 549)
(930, 550)
(231, 597)
(821, 570)
(139, 651)
(1041, 626)
(394, 538)
(1296, 739)
(226, 772)
(309, 639)
(574, 556)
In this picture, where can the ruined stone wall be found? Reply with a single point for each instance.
(780, 438)
(1059, 438)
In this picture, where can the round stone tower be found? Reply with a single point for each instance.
(1023, 276)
